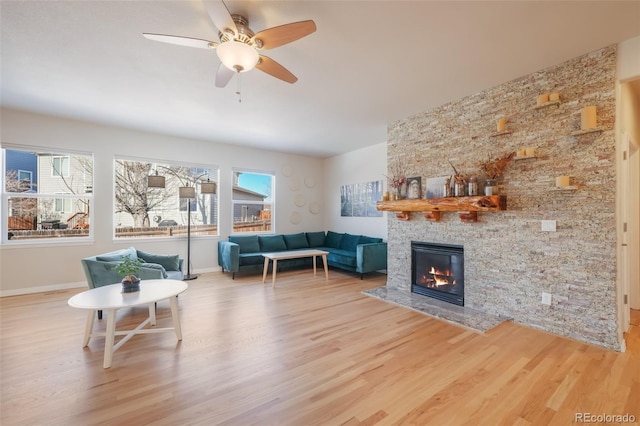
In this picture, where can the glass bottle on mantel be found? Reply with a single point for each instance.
(473, 186)
(446, 189)
(490, 187)
(459, 189)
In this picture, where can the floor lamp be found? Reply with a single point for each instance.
(189, 193)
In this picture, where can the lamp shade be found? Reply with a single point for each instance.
(155, 181)
(208, 187)
(187, 192)
(236, 56)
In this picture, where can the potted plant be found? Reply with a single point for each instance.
(128, 268)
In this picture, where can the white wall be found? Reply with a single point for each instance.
(628, 59)
(41, 267)
(364, 165)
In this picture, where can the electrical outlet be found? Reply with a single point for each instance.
(546, 298)
(549, 225)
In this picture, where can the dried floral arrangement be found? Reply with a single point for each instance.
(396, 177)
(494, 168)
(458, 177)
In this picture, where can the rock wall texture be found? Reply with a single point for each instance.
(509, 261)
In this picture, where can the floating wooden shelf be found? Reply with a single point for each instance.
(524, 157)
(585, 132)
(467, 206)
(548, 104)
(504, 132)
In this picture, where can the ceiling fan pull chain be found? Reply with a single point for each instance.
(239, 91)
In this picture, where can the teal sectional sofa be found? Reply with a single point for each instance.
(355, 253)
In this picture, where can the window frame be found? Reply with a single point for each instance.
(86, 198)
(213, 203)
(270, 199)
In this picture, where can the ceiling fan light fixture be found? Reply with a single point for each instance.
(237, 56)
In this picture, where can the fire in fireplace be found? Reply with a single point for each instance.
(437, 270)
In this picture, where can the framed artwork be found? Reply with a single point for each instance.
(435, 187)
(414, 188)
(359, 200)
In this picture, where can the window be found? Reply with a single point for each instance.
(25, 180)
(47, 196)
(62, 205)
(60, 166)
(252, 201)
(141, 211)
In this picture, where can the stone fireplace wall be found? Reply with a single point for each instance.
(509, 261)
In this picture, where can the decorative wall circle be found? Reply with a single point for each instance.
(310, 182)
(295, 218)
(286, 170)
(300, 200)
(294, 185)
(314, 207)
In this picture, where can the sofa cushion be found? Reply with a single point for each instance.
(315, 239)
(247, 243)
(296, 241)
(251, 259)
(349, 242)
(117, 256)
(272, 243)
(156, 266)
(167, 261)
(369, 240)
(344, 257)
(333, 239)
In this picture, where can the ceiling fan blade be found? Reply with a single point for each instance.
(276, 70)
(182, 41)
(283, 34)
(223, 75)
(220, 15)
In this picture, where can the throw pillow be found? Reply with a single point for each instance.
(349, 242)
(118, 256)
(169, 262)
(316, 239)
(113, 258)
(247, 243)
(296, 241)
(333, 239)
(272, 243)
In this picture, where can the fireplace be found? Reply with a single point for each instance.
(437, 270)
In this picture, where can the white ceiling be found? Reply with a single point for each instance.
(369, 63)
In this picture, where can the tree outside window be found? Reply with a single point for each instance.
(141, 211)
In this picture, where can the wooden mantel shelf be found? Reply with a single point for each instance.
(467, 206)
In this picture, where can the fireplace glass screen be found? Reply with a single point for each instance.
(437, 270)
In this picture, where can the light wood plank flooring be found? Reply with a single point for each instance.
(308, 352)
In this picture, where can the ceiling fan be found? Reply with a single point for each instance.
(239, 45)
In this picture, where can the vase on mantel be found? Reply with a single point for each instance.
(491, 187)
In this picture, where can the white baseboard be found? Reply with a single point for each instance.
(42, 289)
(66, 286)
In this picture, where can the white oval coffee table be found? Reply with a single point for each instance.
(110, 298)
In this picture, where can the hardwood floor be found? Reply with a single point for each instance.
(308, 352)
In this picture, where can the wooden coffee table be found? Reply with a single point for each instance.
(295, 254)
(110, 298)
